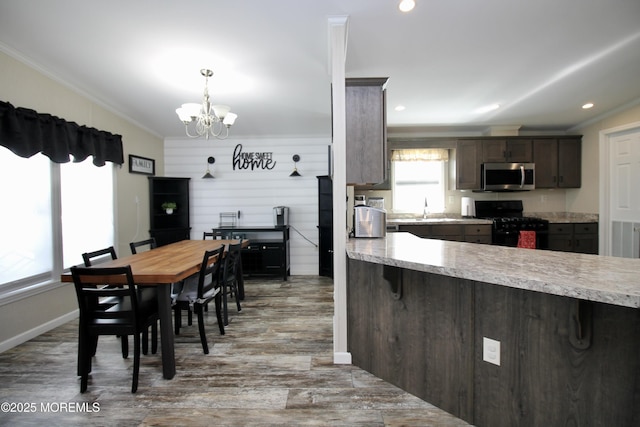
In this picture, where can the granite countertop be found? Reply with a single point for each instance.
(589, 277)
(552, 217)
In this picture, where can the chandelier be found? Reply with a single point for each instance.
(210, 120)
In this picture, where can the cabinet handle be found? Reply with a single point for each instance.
(561, 178)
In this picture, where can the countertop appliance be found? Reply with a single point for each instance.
(280, 216)
(467, 207)
(508, 176)
(369, 222)
(376, 202)
(508, 222)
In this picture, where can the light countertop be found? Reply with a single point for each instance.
(589, 277)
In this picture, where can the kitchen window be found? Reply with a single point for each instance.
(419, 178)
(52, 213)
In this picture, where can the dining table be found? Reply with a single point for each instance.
(160, 267)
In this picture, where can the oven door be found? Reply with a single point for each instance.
(510, 238)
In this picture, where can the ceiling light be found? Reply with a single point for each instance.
(407, 5)
(400, 108)
(210, 120)
(587, 105)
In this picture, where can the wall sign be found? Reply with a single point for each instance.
(141, 165)
(252, 160)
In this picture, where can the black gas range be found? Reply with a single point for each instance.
(508, 221)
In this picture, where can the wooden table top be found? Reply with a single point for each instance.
(166, 264)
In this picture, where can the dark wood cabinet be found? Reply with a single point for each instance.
(506, 150)
(468, 164)
(325, 226)
(558, 162)
(472, 233)
(268, 250)
(574, 237)
(569, 163)
(557, 159)
(366, 130)
(168, 228)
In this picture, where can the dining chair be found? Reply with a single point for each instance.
(102, 255)
(130, 316)
(229, 278)
(199, 290)
(98, 256)
(149, 242)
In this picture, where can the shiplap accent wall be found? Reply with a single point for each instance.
(254, 192)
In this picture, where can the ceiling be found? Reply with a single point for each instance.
(539, 60)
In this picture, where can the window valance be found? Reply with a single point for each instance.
(420, 154)
(27, 132)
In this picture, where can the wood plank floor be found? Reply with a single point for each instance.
(272, 368)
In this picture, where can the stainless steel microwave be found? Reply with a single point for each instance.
(508, 176)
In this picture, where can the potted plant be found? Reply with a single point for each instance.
(169, 207)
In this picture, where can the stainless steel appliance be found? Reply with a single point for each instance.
(508, 176)
(508, 222)
(369, 222)
(280, 216)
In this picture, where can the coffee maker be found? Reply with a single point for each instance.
(280, 216)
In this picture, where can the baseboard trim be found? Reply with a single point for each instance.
(342, 358)
(39, 330)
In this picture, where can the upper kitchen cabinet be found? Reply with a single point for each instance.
(468, 164)
(507, 150)
(558, 162)
(366, 126)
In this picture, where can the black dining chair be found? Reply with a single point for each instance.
(198, 291)
(149, 242)
(102, 255)
(130, 316)
(229, 278)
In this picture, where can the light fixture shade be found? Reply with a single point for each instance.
(184, 115)
(230, 119)
(211, 160)
(221, 110)
(296, 159)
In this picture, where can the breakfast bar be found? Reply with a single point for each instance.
(498, 336)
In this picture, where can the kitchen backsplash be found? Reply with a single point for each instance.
(539, 201)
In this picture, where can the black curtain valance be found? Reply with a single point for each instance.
(27, 132)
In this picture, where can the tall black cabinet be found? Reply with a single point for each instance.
(325, 226)
(168, 228)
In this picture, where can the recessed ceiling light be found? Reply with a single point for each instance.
(407, 5)
(487, 108)
(400, 108)
(587, 105)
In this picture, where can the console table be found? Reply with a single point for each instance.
(268, 250)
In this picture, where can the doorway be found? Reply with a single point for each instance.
(619, 195)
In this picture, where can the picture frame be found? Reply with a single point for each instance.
(141, 165)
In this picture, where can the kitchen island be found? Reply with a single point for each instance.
(568, 325)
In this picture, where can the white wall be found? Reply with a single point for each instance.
(24, 85)
(254, 192)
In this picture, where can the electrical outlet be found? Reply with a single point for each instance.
(543, 198)
(491, 351)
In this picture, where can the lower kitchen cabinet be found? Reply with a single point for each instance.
(473, 233)
(574, 237)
